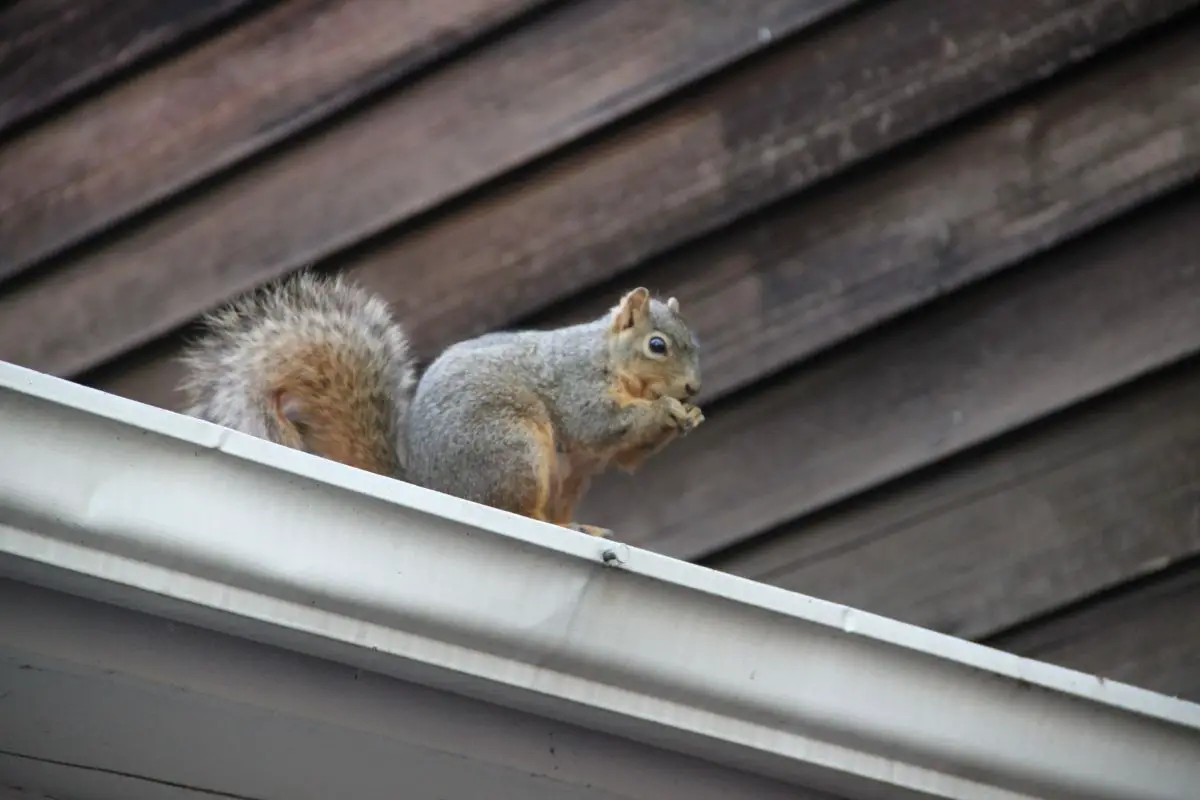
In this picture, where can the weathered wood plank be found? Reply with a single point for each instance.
(543, 85)
(220, 102)
(858, 86)
(589, 215)
(1082, 503)
(1063, 328)
(53, 49)
(827, 265)
(150, 374)
(1147, 635)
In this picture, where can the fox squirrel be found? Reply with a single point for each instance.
(518, 420)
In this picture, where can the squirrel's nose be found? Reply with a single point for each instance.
(691, 389)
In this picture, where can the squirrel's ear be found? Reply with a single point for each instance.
(673, 305)
(632, 309)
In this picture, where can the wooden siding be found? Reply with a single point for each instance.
(942, 257)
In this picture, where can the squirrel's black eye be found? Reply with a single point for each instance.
(657, 345)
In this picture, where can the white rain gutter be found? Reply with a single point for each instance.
(295, 551)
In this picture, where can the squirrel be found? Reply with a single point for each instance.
(517, 420)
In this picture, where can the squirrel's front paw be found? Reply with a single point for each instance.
(685, 416)
(692, 417)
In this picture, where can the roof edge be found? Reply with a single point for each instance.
(267, 542)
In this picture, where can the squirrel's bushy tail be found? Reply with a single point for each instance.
(310, 362)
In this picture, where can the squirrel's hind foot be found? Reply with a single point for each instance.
(590, 530)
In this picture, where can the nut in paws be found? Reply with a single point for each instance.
(692, 417)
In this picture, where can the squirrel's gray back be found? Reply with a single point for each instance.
(562, 367)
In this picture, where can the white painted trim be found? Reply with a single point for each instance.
(164, 513)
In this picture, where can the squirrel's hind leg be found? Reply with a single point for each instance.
(573, 480)
(557, 486)
(540, 502)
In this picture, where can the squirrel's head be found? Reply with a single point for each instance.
(651, 347)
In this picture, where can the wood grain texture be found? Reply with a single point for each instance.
(53, 49)
(590, 214)
(849, 90)
(1078, 505)
(827, 265)
(1063, 328)
(1147, 635)
(545, 84)
(217, 103)
(150, 374)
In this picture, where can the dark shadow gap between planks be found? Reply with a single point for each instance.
(217, 105)
(961, 205)
(524, 248)
(853, 89)
(52, 51)
(1012, 530)
(1064, 327)
(543, 85)
(1146, 634)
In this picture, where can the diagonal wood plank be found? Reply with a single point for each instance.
(857, 86)
(1147, 635)
(1062, 328)
(1078, 505)
(53, 49)
(592, 214)
(216, 104)
(828, 265)
(566, 73)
